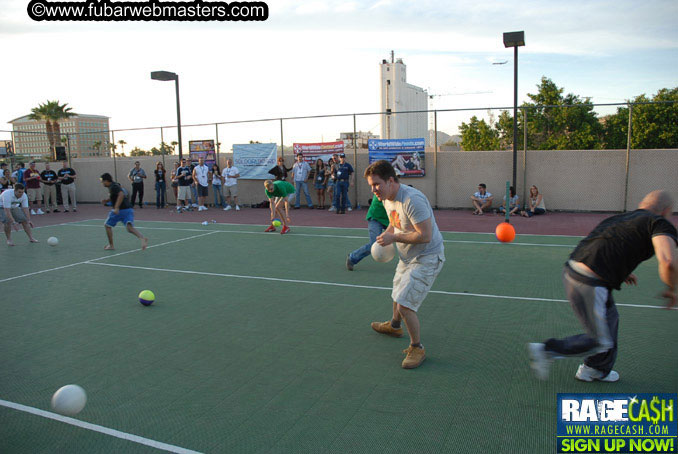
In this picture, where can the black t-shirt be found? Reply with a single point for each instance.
(65, 173)
(159, 175)
(114, 190)
(620, 243)
(184, 173)
(48, 177)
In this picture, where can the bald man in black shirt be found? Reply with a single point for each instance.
(600, 263)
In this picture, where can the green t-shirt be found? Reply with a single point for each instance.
(280, 189)
(377, 212)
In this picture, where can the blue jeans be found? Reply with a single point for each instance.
(299, 185)
(160, 189)
(342, 190)
(375, 228)
(335, 197)
(218, 195)
(194, 191)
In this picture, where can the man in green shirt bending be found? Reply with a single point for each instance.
(277, 193)
(377, 222)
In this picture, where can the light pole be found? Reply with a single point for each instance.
(165, 76)
(515, 40)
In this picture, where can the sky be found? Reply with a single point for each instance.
(322, 57)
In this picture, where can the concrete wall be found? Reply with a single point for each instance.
(588, 180)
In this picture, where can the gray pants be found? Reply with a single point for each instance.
(68, 190)
(592, 303)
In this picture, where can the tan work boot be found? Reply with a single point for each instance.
(386, 328)
(415, 356)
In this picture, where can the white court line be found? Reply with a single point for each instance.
(64, 223)
(98, 428)
(320, 235)
(103, 257)
(350, 228)
(371, 287)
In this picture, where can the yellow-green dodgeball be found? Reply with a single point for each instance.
(146, 297)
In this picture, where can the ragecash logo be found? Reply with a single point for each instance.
(618, 423)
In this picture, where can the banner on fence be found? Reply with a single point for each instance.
(202, 149)
(322, 150)
(406, 155)
(254, 160)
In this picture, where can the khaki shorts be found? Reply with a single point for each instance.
(184, 193)
(231, 191)
(33, 194)
(413, 281)
(17, 213)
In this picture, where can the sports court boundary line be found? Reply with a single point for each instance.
(97, 428)
(319, 235)
(370, 287)
(344, 228)
(104, 257)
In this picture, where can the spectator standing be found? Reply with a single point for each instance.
(331, 181)
(14, 210)
(231, 175)
(201, 177)
(280, 171)
(137, 176)
(32, 182)
(217, 186)
(301, 170)
(185, 180)
(344, 172)
(49, 177)
(18, 174)
(320, 182)
(160, 185)
(175, 182)
(67, 177)
(535, 204)
(482, 200)
(194, 189)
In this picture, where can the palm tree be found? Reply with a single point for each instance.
(96, 146)
(174, 144)
(51, 113)
(122, 146)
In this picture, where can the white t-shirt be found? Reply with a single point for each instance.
(201, 173)
(482, 197)
(9, 200)
(216, 179)
(228, 174)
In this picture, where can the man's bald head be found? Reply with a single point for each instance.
(658, 202)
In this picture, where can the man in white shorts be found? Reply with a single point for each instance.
(413, 229)
(14, 210)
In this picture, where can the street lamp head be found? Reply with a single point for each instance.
(164, 75)
(514, 39)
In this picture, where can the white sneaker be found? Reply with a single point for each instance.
(40, 211)
(202, 208)
(194, 205)
(178, 209)
(228, 207)
(332, 209)
(586, 373)
(540, 360)
(33, 212)
(349, 209)
(237, 208)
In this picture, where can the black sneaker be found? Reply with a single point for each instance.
(66, 211)
(55, 211)
(311, 207)
(74, 210)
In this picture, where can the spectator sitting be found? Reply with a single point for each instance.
(535, 203)
(482, 199)
(514, 206)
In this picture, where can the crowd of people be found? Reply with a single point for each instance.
(41, 187)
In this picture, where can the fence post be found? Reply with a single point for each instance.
(524, 155)
(435, 159)
(115, 165)
(282, 146)
(162, 146)
(356, 202)
(628, 157)
(216, 128)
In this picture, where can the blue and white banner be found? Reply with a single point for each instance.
(617, 423)
(406, 155)
(254, 160)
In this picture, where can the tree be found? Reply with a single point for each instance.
(504, 127)
(653, 126)
(51, 113)
(96, 146)
(136, 151)
(478, 135)
(122, 144)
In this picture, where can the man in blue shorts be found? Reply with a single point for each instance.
(122, 211)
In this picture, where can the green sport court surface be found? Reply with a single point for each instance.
(261, 343)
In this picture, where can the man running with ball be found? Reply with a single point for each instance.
(413, 229)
